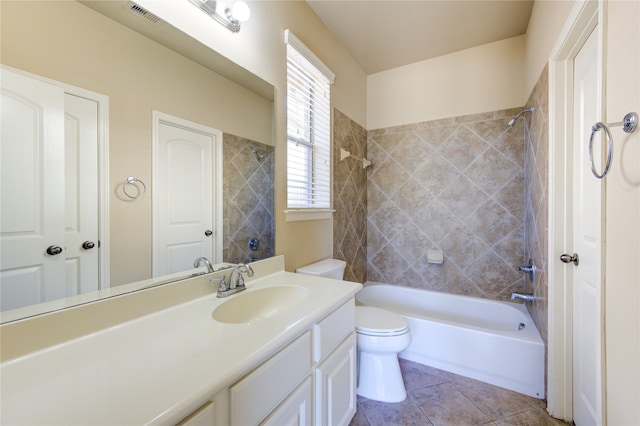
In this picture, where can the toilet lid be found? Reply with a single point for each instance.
(376, 321)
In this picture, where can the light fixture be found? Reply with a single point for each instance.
(230, 17)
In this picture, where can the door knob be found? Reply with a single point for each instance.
(567, 258)
(208, 232)
(53, 250)
(88, 245)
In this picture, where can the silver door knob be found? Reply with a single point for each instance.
(208, 232)
(567, 258)
(88, 245)
(53, 250)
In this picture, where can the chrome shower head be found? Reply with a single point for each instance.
(515, 117)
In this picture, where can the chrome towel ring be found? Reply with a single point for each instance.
(629, 124)
(132, 181)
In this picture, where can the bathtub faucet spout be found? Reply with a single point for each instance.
(523, 297)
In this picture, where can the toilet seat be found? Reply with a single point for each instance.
(373, 321)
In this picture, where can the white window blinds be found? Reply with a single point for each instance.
(308, 128)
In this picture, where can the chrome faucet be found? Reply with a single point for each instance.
(204, 260)
(524, 297)
(236, 280)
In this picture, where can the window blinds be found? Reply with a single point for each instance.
(308, 128)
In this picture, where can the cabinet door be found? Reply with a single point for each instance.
(295, 410)
(336, 385)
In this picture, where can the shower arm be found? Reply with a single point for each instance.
(512, 122)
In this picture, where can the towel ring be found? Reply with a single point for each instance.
(131, 181)
(596, 127)
(629, 124)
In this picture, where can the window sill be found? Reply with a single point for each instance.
(295, 215)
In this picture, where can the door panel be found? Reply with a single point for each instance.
(183, 196)
(587, 242)
(32, 192)
(81, 194)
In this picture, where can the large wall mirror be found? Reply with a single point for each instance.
(145, 69)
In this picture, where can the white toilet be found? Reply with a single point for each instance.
(380, 334)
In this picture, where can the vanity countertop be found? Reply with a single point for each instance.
(158, 368)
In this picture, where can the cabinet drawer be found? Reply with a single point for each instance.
(255, 396)
(295, 410)
(329, 332)
(203, 416)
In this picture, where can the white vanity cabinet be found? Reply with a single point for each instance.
(312, 380)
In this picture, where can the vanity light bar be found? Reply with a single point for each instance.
(230, 18)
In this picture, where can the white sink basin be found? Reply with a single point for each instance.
(261, 304)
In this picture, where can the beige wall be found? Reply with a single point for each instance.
(70, 43)
(547, 20)
(622, 256)
(259, 47)
(481, 79)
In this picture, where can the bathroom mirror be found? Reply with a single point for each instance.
(145, 66)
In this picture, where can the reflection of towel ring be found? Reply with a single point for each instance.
(131, 181)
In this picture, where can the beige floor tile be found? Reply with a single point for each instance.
(444, 405)
(438, 398)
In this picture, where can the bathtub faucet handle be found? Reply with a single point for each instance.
(529, 269)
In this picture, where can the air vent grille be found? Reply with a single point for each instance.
(140, 11)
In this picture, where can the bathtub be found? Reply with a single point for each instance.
(492, 341)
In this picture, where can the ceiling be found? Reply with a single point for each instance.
(386, 34)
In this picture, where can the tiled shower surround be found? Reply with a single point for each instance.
(455, 185)
(247, 199)
(536, 199)
(469, 186)
(350, 197)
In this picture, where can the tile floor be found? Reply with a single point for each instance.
(439, 398)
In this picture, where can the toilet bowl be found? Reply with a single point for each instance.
(380, 336)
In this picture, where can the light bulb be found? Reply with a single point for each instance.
(240, 11)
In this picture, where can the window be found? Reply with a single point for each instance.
(308, 130)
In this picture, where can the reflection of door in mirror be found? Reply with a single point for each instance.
(187, 194)
(49, 192)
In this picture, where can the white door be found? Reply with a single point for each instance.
(32, 192)
(186, 194)
(49, 151)
(81, 194)
(587, 243)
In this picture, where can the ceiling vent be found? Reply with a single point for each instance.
(140, 11)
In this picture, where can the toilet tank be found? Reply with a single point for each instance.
(329, 268)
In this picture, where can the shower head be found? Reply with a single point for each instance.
(515, 117)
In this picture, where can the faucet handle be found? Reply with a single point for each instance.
(240, 282)
(221, 281)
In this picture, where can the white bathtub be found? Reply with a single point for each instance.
(492, 341)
